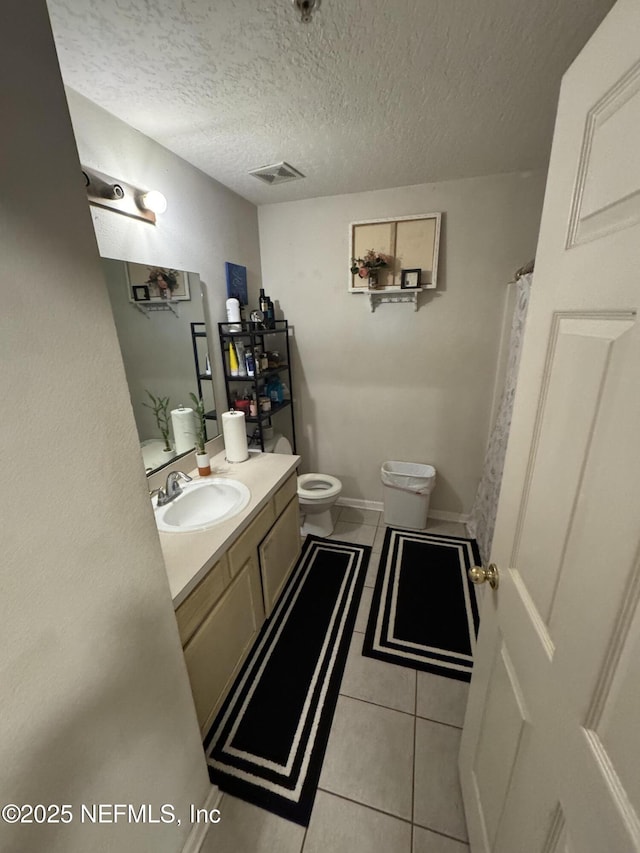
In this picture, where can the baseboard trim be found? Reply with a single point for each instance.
(356, 503)
(199, 831)
(378, 506)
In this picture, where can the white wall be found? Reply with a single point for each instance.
(205, 223)
(96, 705)
(399, 384)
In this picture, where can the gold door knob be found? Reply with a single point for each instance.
(479, 575)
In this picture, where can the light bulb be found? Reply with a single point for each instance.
(154, 201)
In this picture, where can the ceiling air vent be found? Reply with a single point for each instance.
(279, 173)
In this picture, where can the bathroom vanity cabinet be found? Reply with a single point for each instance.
(220, 619)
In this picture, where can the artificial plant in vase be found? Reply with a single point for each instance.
(369, 266)
(160, 408)
(202, 457)
(164, 279)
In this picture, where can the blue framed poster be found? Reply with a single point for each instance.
(236, 282)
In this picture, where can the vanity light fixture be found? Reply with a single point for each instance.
(153, 201)
(122, 197)
(306, 9)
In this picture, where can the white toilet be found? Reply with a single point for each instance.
(317, 493)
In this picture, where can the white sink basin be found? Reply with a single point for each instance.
(202, 504)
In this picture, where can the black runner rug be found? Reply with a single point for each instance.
(267, 744)
(424, 613)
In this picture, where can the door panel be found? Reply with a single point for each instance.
(502, 730)
(555, 698)
(607, 194)
(579, 351)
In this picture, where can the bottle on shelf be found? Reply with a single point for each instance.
(275, 390)
(251, 364)
(233, 360)
(270, 316)
(263, 302)
(240, 353)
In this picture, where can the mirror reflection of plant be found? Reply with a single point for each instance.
(201, 426)
(166, 280)
(160, 409)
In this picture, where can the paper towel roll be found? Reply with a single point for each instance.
(235, 436)
(184, 429)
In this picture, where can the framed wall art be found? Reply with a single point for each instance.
(410, 279)
(236, 282)
(163, 284)
(408, 243)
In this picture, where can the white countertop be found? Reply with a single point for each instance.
(189, 556)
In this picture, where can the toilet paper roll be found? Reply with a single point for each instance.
(184, 429)
(235, 436)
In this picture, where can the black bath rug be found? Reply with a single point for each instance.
(424, 613)
(267, 744)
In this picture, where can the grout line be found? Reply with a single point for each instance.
(364, 805)
(306, 830)
(443, 834)
(376, 704)
(439, 722)
(415, 739)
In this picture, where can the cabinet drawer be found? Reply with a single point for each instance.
(285, 493)
(249, 540)
(196, 606)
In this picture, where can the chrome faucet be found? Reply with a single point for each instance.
(172, 488)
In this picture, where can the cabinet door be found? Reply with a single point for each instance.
(278, 553)
(191, 613)
(218, 648)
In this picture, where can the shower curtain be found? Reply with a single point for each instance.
(483, 514)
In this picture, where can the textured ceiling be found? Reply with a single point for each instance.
(371, 94)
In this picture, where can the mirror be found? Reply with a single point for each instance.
(154, 308)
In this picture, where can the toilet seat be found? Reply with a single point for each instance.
(318, 487)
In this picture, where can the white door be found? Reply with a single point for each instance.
(550, 754)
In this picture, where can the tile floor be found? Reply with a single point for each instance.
(389, 781)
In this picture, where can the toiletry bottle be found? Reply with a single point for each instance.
(269, 314)
(253, 407)
(250, 362)
(264, 302)
(233, 314)
(233, 360)
(272, 389)
(240, 353)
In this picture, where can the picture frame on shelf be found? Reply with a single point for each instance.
(410, 279)
(141, 293)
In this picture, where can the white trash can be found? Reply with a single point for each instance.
(407, 489)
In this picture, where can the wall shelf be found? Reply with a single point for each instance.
(393, 294)
(149, 307)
